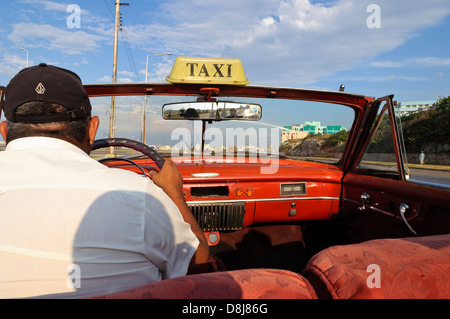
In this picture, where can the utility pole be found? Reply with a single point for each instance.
(112, 122)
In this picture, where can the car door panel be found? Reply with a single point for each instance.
(378, 200)
(372, 207)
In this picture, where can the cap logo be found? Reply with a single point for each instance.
(40, 89)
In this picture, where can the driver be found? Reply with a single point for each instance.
(70, 226)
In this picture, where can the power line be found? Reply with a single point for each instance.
(109, 9)
(129, 53)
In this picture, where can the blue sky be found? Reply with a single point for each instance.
(401, 47)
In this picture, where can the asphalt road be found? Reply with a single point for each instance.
(431, 176)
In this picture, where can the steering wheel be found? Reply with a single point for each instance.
(138, 146)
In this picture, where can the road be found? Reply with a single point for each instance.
(431, 176)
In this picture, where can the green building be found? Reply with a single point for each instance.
(313, 127)
(333, 129)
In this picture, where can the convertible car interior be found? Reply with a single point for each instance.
(289, 208)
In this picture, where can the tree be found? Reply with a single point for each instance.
(431, 126)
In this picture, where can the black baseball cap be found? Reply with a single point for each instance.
(46, 83)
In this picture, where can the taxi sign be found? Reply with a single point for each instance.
(207, 71)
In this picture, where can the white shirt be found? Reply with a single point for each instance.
(71, 227)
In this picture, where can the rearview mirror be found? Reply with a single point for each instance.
(212, 111)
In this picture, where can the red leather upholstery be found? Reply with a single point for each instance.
(404, 268)
(408, 268)
(239, 284)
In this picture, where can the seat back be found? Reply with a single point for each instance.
(404, 268)
(238, 284)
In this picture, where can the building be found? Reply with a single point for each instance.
(292, 134)
(314, 127)
(333, 129)
(300, 131)
(411, 107)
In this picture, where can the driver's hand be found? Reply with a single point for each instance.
(171, 182)
(169, 178)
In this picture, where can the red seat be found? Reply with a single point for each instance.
(238, 284)
(406, 268)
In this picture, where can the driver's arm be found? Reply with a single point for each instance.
(171, 181)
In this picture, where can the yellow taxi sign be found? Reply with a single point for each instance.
(207, 71)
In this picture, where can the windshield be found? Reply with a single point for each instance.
(286, 128)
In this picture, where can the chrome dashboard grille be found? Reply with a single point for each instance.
(219, 216)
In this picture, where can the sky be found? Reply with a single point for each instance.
(373, 47)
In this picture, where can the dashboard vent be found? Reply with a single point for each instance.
(209, 191)
(219, 216)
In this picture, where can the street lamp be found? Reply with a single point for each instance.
(27, 54)
(145, 97)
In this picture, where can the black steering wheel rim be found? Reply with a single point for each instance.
(138, 146)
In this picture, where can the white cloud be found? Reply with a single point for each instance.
(124, 80)
(392, 77)
(161, 71)
(433, 61)
(11, 64)
(423, 61)
(126, 73)
(291, 41)
(61, 9)
(47, 5)
(387, 64)
(105, 79)
(108, 79)
(53, 38)
(281, 42)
